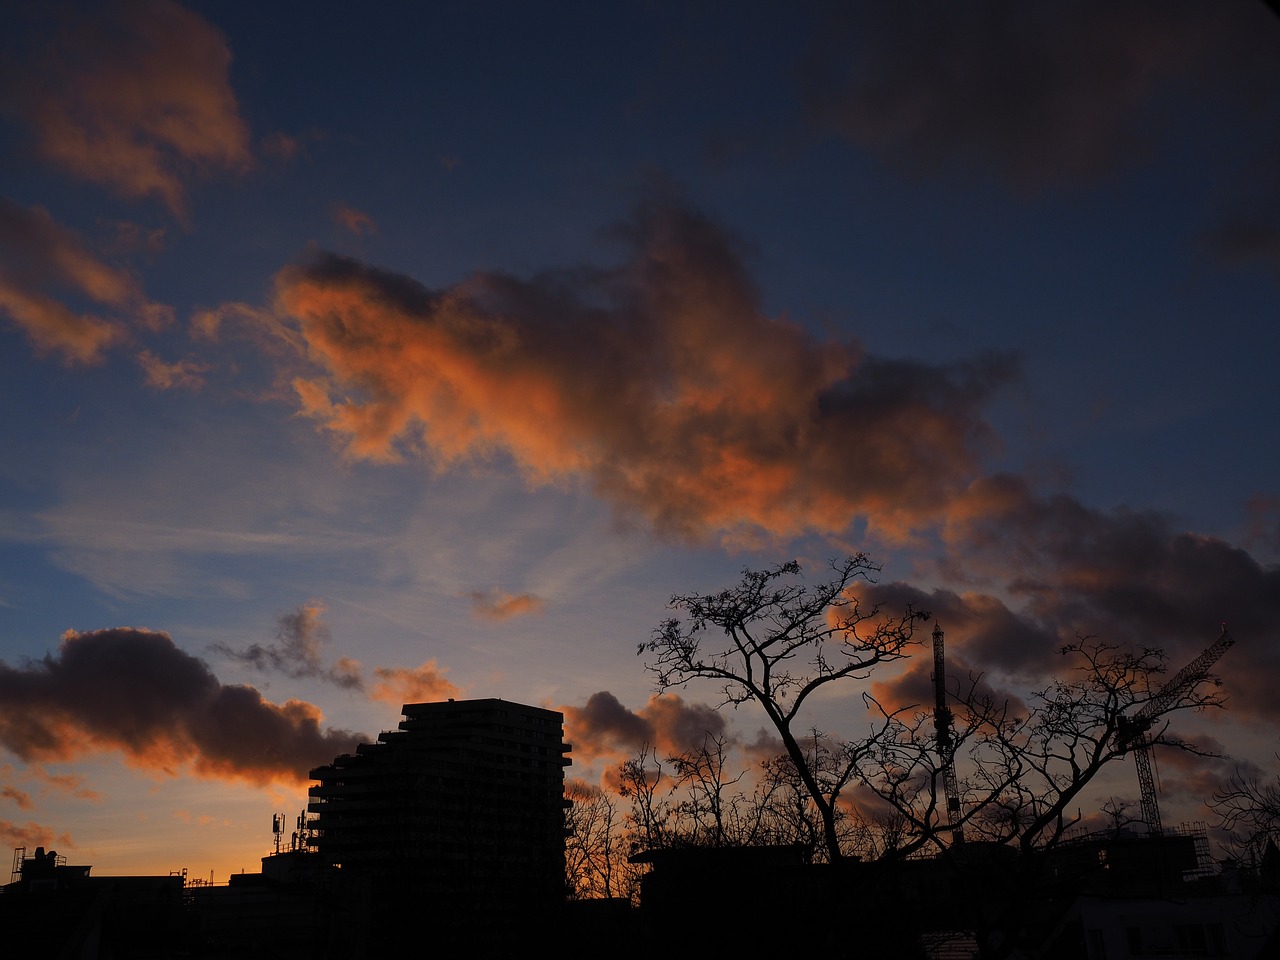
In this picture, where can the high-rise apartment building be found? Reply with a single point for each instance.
(454, 822)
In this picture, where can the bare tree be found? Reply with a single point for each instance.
(776, 641)
(1025, 771)
(1026, 768)
(640, 781)
(595, 846)
(1248, 809)
(714, 811)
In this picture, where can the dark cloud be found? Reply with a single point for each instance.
(1126, 577)
(661, 381)
(978, 627)
(913, 688)
(134, 691)
(296, 653)
(604, 728)
(1242, 241)
(1040, 92)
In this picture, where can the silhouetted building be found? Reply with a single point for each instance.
(52, 909)
(286, 912)
(454, 823)
(1110, 896)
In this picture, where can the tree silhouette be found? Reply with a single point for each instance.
(1248, 808)
(776, 641)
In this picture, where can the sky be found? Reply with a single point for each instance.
(352, 357)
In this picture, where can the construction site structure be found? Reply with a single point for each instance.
(1132, 735)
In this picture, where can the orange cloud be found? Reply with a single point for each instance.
(421, 684)
(660, 381)
(135, 692)
(31, 835)
(135, 97)
(68, 783)
(495, 604)
(43, 264)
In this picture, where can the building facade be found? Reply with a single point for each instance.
(455, 820)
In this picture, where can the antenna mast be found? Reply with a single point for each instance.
(942, 722)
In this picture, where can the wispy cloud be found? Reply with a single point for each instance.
(169, 375)
(497, 604)
(353, 221)
(20, 797)
(44, 266)
(296, 653)
(32, 835)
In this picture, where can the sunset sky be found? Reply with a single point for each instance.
(359, 354)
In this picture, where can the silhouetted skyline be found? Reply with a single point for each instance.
(360, 358)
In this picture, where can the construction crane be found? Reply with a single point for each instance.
(942, 720)
(1132, 732)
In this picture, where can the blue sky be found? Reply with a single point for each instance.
(454, 339)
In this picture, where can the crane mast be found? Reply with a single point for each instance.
(1132, 733)
(942, 722)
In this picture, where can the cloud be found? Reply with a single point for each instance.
(660, 381)
(495, 604)
(133, 96)
(163, 375)
(42, 264)
(296, 653)
(603, 728)
(354, 221)
(977, 626)
(1039, 96)
(20, 797)
(1125, 576)
(1241, 241)
(132, 690)
(1192, 777)
(914, 687)
(282, 147)
(67, 783)
(32, 835)
(421, 684)
(1264, 521)
(300, 635)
